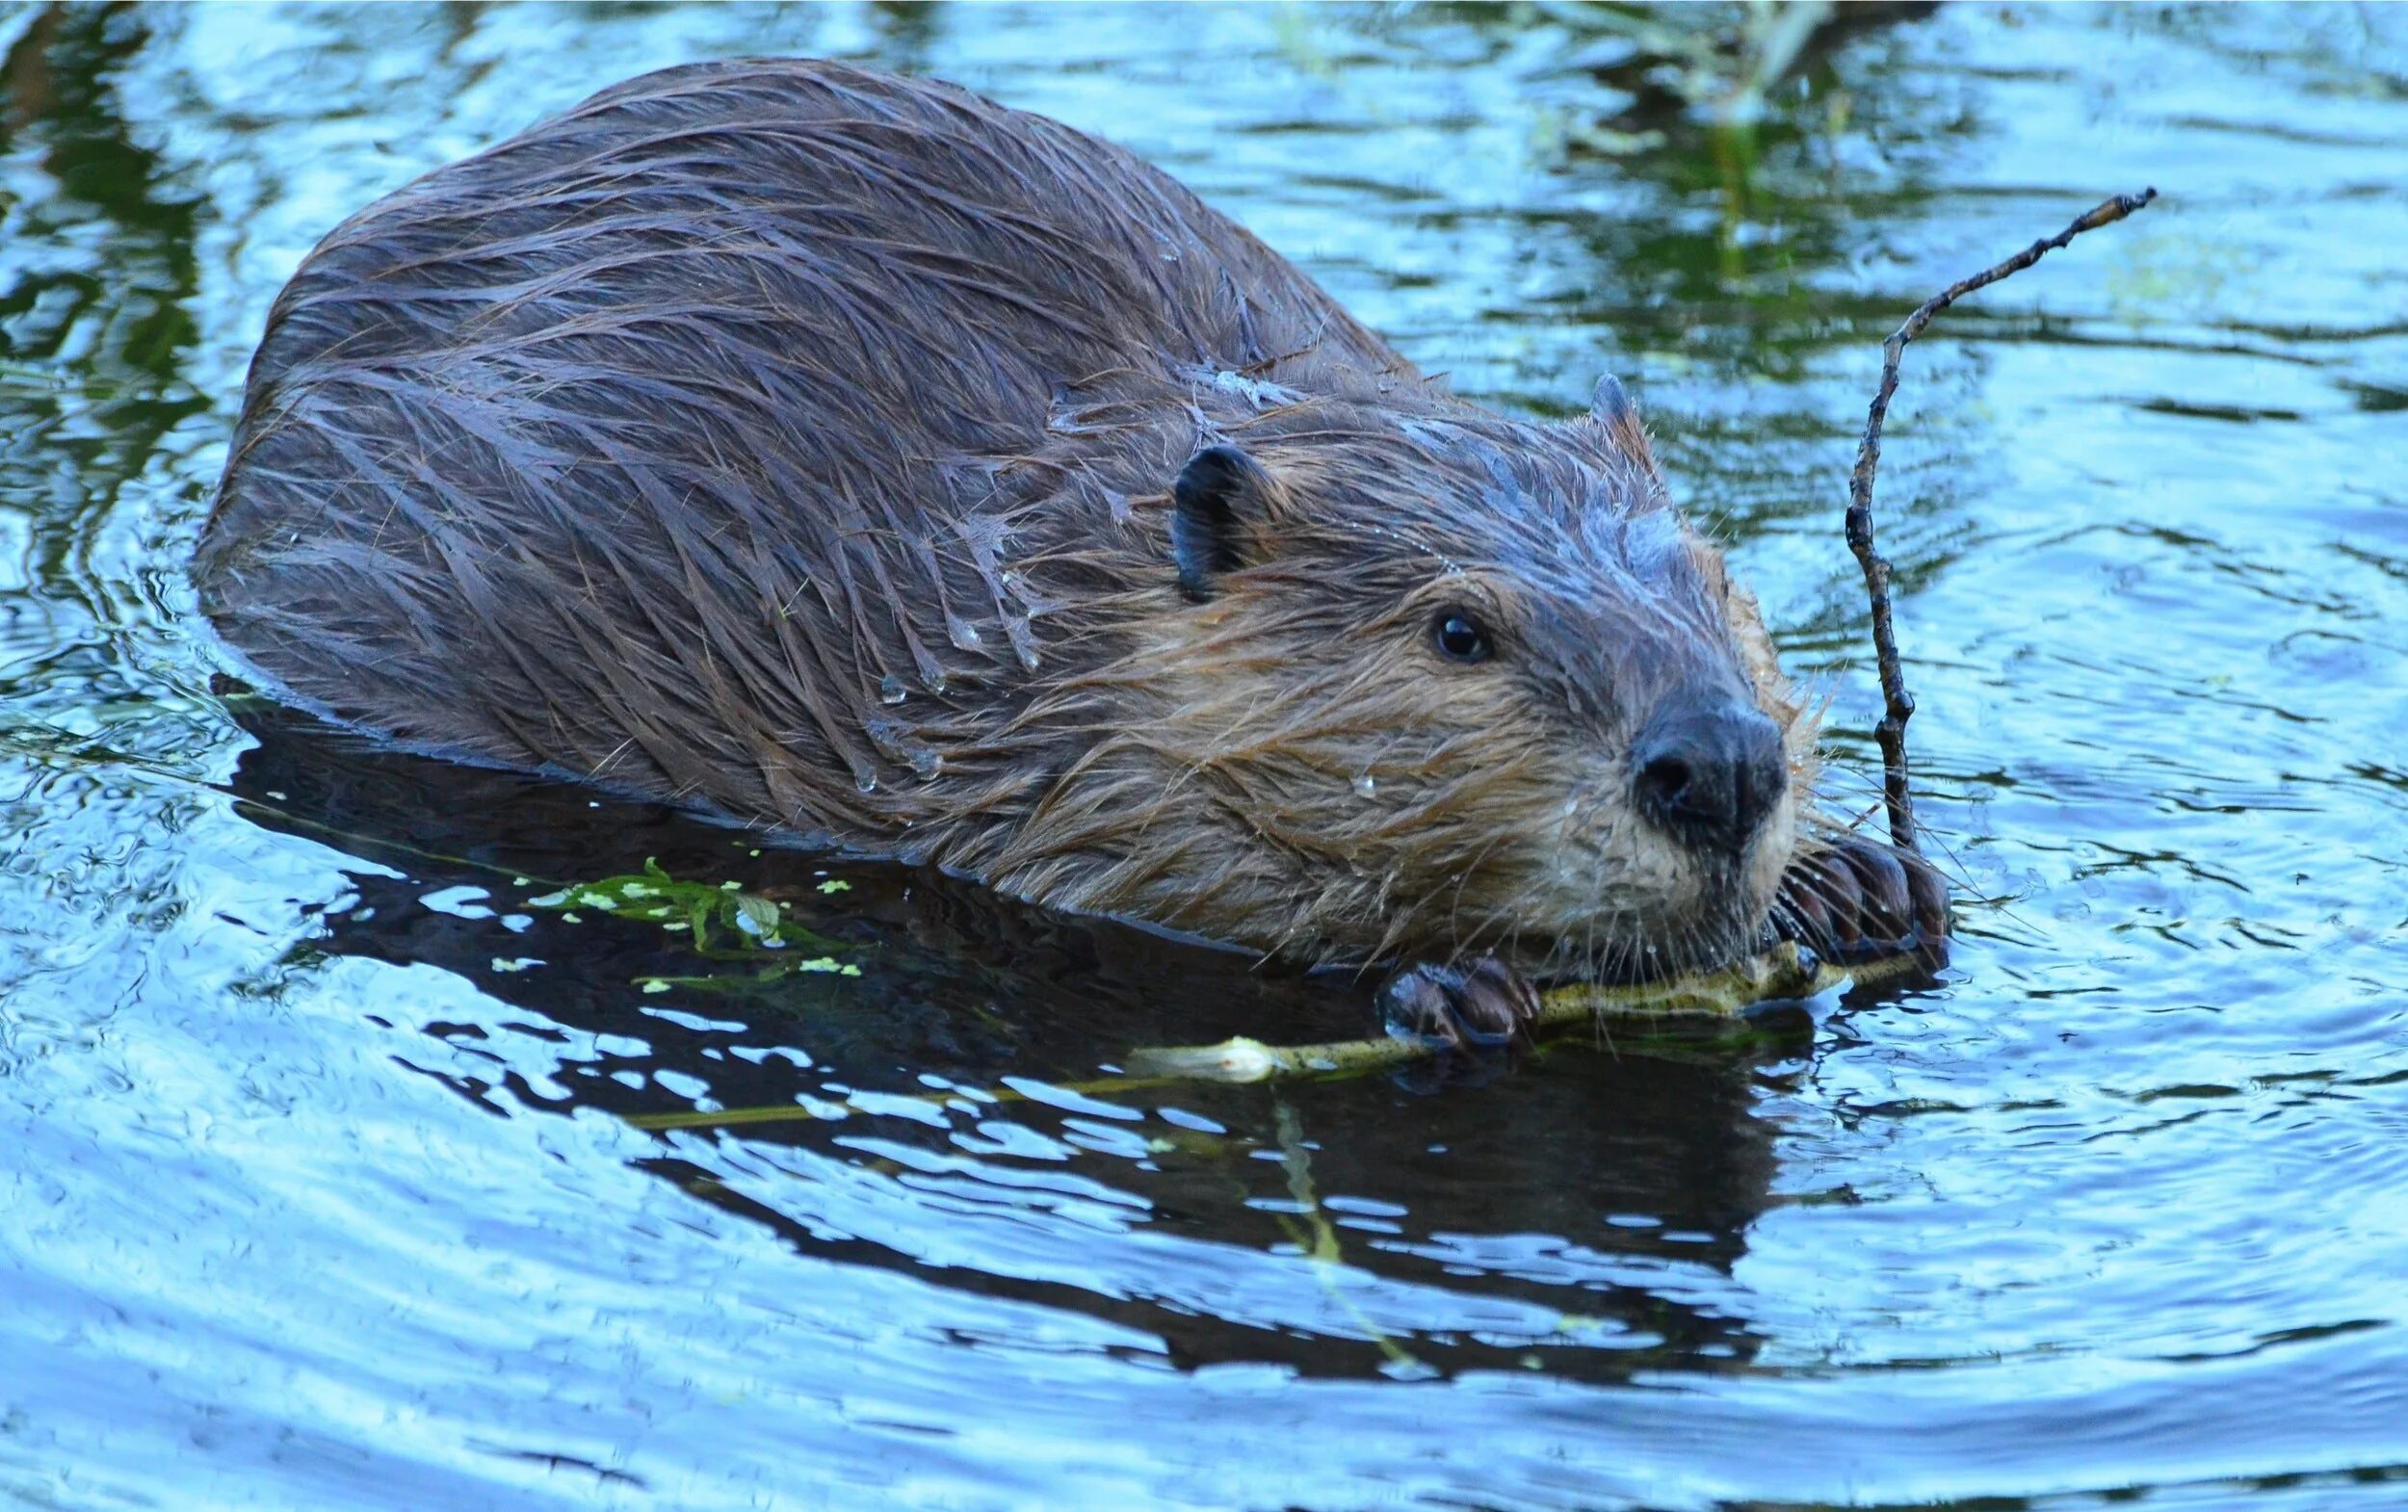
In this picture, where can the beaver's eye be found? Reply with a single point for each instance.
(1460, 637)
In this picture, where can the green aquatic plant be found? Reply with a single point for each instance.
(1716, 61)
(722, 922)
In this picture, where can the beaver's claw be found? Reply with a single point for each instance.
(1857, 899)
(1483, 1004)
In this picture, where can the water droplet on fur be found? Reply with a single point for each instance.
(896, 741)
(865, 779)
(1363, 786)
(891, 689)
(1016, 631)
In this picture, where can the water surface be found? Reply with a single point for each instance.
(344, 1175)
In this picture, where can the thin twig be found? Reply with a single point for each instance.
(1897, 704)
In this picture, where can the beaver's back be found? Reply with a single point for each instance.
(640, 445)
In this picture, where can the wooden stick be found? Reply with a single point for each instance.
(1897, 704)
(1782, 973)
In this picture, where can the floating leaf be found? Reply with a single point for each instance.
(758, 913)
(723, 921)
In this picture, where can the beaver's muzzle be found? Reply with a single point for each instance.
(1709, 769)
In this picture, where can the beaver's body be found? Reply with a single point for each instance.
(852, 454)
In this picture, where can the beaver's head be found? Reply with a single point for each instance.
(1442, 684)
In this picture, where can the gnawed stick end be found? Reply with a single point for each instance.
(1241, 1060)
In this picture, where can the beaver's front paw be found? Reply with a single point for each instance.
(1857, 899)
(1483, 1004)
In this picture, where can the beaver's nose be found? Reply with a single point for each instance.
(1709, 769)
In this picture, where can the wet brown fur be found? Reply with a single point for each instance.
(798, 441)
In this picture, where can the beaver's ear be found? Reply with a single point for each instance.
(1219, 508)
(1611, 409)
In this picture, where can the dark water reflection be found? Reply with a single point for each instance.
(963, 1062)
(346, 1175)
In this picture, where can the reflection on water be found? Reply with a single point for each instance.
(351, 1174)
(964, 1058)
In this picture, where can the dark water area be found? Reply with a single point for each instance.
(351, 1167)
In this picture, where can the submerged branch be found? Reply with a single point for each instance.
(1783, 973)
(1897, 705)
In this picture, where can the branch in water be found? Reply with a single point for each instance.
(1897, 704)
(1784, 973)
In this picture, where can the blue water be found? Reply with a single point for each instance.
(344, 1176)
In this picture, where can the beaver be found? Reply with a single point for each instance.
(855, 457)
